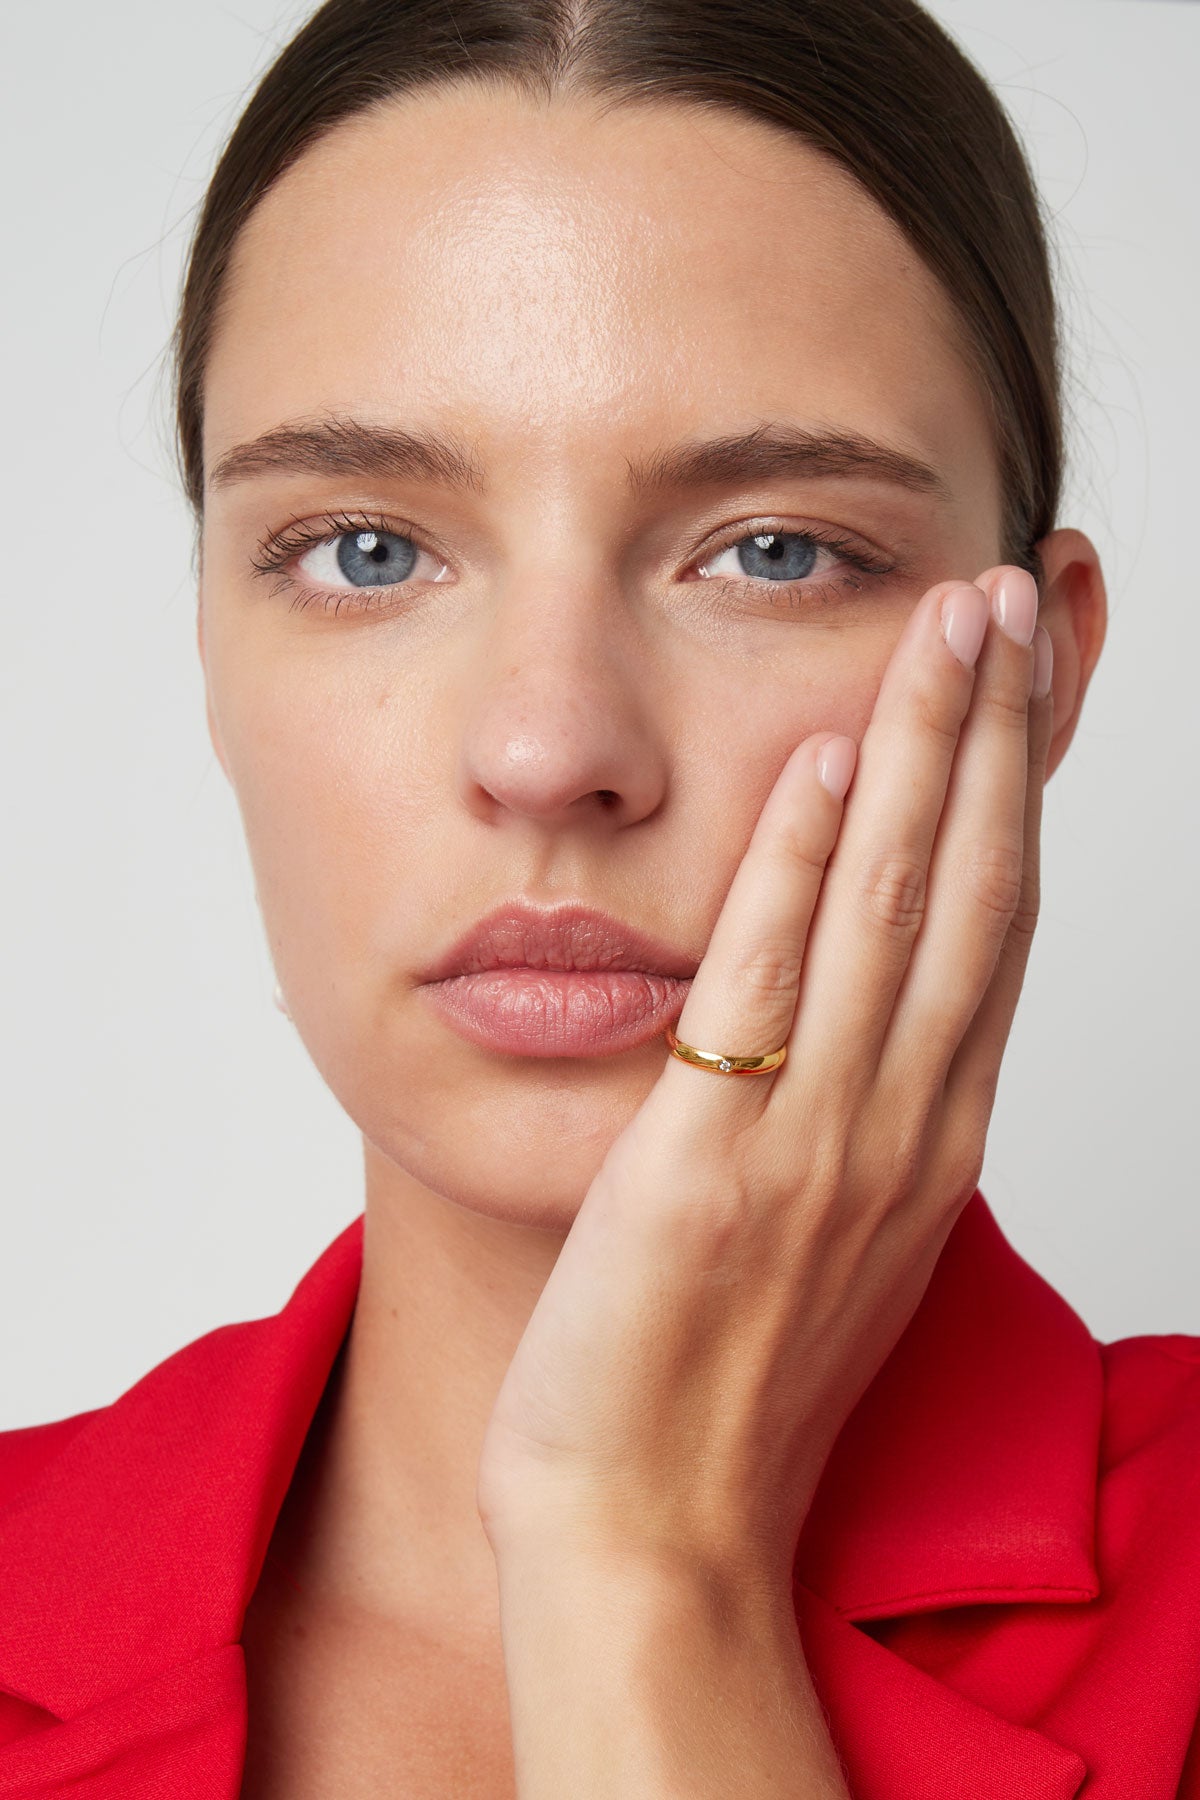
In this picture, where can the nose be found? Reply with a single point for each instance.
(560, 723)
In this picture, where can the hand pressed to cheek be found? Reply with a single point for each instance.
(928, 907)
(752, 1247)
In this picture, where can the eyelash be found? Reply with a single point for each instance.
(855, 554)
(279, 548)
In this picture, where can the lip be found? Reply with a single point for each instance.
(565, 981)
(519, 935)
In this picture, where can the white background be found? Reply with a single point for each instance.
(170, 1160)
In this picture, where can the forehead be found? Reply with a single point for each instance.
(566, 282)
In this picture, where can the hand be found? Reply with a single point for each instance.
(753, 1246)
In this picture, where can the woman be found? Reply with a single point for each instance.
(625, 446)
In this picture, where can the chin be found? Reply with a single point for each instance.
(520, 1151)
(503, 1182)
(508, 1137)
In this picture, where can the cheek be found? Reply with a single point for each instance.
(826, 679)
(732, 750)
(331, 777)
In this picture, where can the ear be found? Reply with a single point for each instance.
(1074, 610)
(214, 732)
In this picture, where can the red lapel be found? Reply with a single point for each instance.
(127, 1564)
(966, 1474)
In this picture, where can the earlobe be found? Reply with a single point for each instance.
(1074, 610)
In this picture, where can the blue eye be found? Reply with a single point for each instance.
(774, 558)
(770, 556)
(375, 558)
(348, 556)
(776, 555)
(366, 556)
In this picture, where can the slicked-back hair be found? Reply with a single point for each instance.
(875, 84)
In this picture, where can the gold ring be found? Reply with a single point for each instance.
(720, 1064)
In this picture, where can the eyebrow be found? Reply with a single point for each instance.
(346, 446)
(779, 448)
(341, 446)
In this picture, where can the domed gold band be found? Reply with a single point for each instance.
(721, 1064)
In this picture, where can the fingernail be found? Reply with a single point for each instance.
(1043, 663)
(1017, 604)
(964, 622)
(835, 765)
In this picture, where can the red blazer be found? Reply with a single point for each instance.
(998, 1587)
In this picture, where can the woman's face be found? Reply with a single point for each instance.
(592, 674)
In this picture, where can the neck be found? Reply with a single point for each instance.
(383, 1502)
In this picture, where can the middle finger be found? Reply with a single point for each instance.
(873, 897)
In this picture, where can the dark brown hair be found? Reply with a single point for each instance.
(876, 84)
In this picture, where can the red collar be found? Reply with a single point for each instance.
(966, 1474)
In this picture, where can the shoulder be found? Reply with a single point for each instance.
(25, 1451)
(238, 1397)
(67, 1464)
(1152, 1397)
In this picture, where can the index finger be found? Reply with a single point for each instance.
(743, 997)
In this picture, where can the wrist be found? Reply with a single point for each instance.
(633, 1671)
(563, 1567)
(586, 1536)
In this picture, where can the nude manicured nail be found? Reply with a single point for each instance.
(1017, 604)
(964, 622)
(1043, 663)
(835, 765)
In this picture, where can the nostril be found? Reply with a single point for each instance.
(606, 796)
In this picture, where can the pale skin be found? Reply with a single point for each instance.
(497, 1571)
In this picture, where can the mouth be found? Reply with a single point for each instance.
(572, 981)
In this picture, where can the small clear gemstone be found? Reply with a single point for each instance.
(724, 1065)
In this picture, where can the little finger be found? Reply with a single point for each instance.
(975, 877)
(974, 1071)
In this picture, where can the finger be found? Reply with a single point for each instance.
(974, 1072)
(975, 875)
(873, 898)
(743, 997)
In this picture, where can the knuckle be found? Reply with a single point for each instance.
(1025, 917)
(828, 1163)
(797, 853)
(934, 715)
(905, 1159)
(1041, 731)
(894, 890)
(994, 879)
(1005, 706)
(963, 1162)
(727, 1211)
(909, 1149)
(771, 971)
